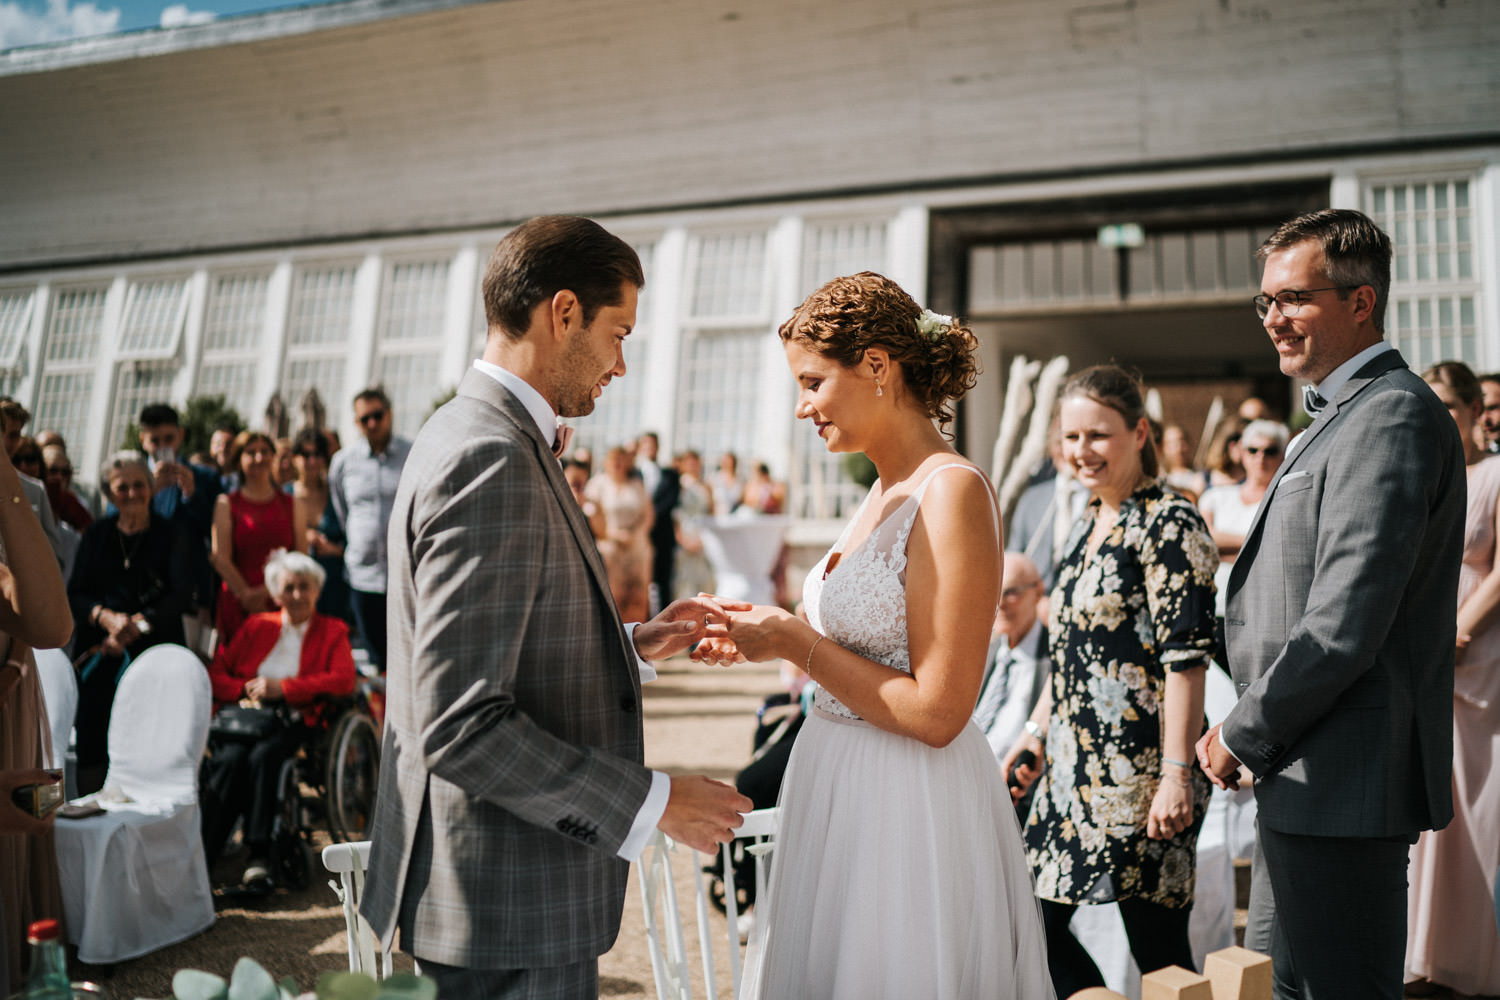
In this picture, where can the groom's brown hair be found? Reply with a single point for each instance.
(548, 254)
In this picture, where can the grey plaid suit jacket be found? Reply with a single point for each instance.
(1341, 617)
(511, 763)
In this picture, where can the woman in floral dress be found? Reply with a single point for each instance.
(1120, 803)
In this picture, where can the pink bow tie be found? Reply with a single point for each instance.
(564, 437)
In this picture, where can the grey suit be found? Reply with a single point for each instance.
(511, 769)
(1340, 627)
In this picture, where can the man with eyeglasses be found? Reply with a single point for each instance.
(1340, 624)
(1489, 417)
(1018, 664)
(362, 485)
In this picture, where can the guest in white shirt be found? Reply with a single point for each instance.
(1018, 664)
(1228, 510)
(291, 657)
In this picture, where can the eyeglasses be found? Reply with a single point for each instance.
(60, 470)
(1268, 450)
(1011, 593)
(1290, 300)
(373, 417)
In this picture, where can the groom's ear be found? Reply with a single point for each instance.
(566, 313)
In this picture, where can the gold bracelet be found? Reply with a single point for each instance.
(807, 667)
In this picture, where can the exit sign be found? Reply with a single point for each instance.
(1124, 234)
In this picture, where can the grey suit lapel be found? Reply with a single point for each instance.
(1357, 384)
(485, 389)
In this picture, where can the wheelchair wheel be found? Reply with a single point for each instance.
(350, 776)
(291, 855)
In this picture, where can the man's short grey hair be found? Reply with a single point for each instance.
(1273, 431)
(284, 565)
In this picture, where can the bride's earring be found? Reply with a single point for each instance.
(879, 391)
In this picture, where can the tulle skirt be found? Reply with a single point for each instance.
(898, 873)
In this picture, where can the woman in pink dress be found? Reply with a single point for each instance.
(249, 524)
(1451, 938)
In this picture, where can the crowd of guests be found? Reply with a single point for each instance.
(645, 515)
(227, 552)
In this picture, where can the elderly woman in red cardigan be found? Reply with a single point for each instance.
(293, 656)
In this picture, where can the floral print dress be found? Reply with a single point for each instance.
(1141, 605)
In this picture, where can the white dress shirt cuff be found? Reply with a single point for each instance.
(646, 667)
(650, 815)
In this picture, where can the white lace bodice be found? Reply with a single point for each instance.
(861, 603)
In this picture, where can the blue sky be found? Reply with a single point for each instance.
(34, 22)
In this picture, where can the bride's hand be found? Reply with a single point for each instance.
(717, 650)
(759, 633)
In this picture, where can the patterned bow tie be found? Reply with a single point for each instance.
(564, 438)
(1312, 402)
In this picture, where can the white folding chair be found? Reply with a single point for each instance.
(134, 879)
(350, 862)
(665, 939)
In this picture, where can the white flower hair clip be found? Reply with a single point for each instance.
(933, 325)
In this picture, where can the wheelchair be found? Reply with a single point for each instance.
(328, 781)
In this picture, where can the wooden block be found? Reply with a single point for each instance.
(1175, 983)
(1098, 993)
(1238, 974)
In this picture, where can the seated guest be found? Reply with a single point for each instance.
(132, 581)
(293, 657)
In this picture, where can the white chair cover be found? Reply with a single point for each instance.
(350, 862)
(742, 549)
(135, 879)
(1220, 842)
(60, 693)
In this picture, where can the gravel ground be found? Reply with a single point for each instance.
(697, 719)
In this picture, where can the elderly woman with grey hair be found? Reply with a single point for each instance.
(1228, 510)
(291, 657)
(132, 582)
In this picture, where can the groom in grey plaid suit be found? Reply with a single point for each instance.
(512, 794)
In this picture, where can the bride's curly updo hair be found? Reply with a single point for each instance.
(849, 315)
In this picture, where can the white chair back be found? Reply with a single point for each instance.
(665, 937)
(350, 862)
(158, 728)
(60, 693)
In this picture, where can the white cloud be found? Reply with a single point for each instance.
(59, 22)
(178, 15)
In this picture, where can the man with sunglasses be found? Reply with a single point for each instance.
(1340, 624)
(362, 485)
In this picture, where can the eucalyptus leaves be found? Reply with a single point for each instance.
(249, 981)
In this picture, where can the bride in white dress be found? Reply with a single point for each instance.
(899, 870)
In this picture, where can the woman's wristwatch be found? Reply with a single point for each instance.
(1036, 730)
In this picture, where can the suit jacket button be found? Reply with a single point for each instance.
(627, 703)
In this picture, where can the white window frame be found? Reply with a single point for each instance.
(243, 354)
(404, 338)
(1414, 318)
(78, 368)
(331, 354)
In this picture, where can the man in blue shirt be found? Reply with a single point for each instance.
(362, 487)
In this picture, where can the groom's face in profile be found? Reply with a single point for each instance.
(595, 354)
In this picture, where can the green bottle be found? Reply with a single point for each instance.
(48, 979)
